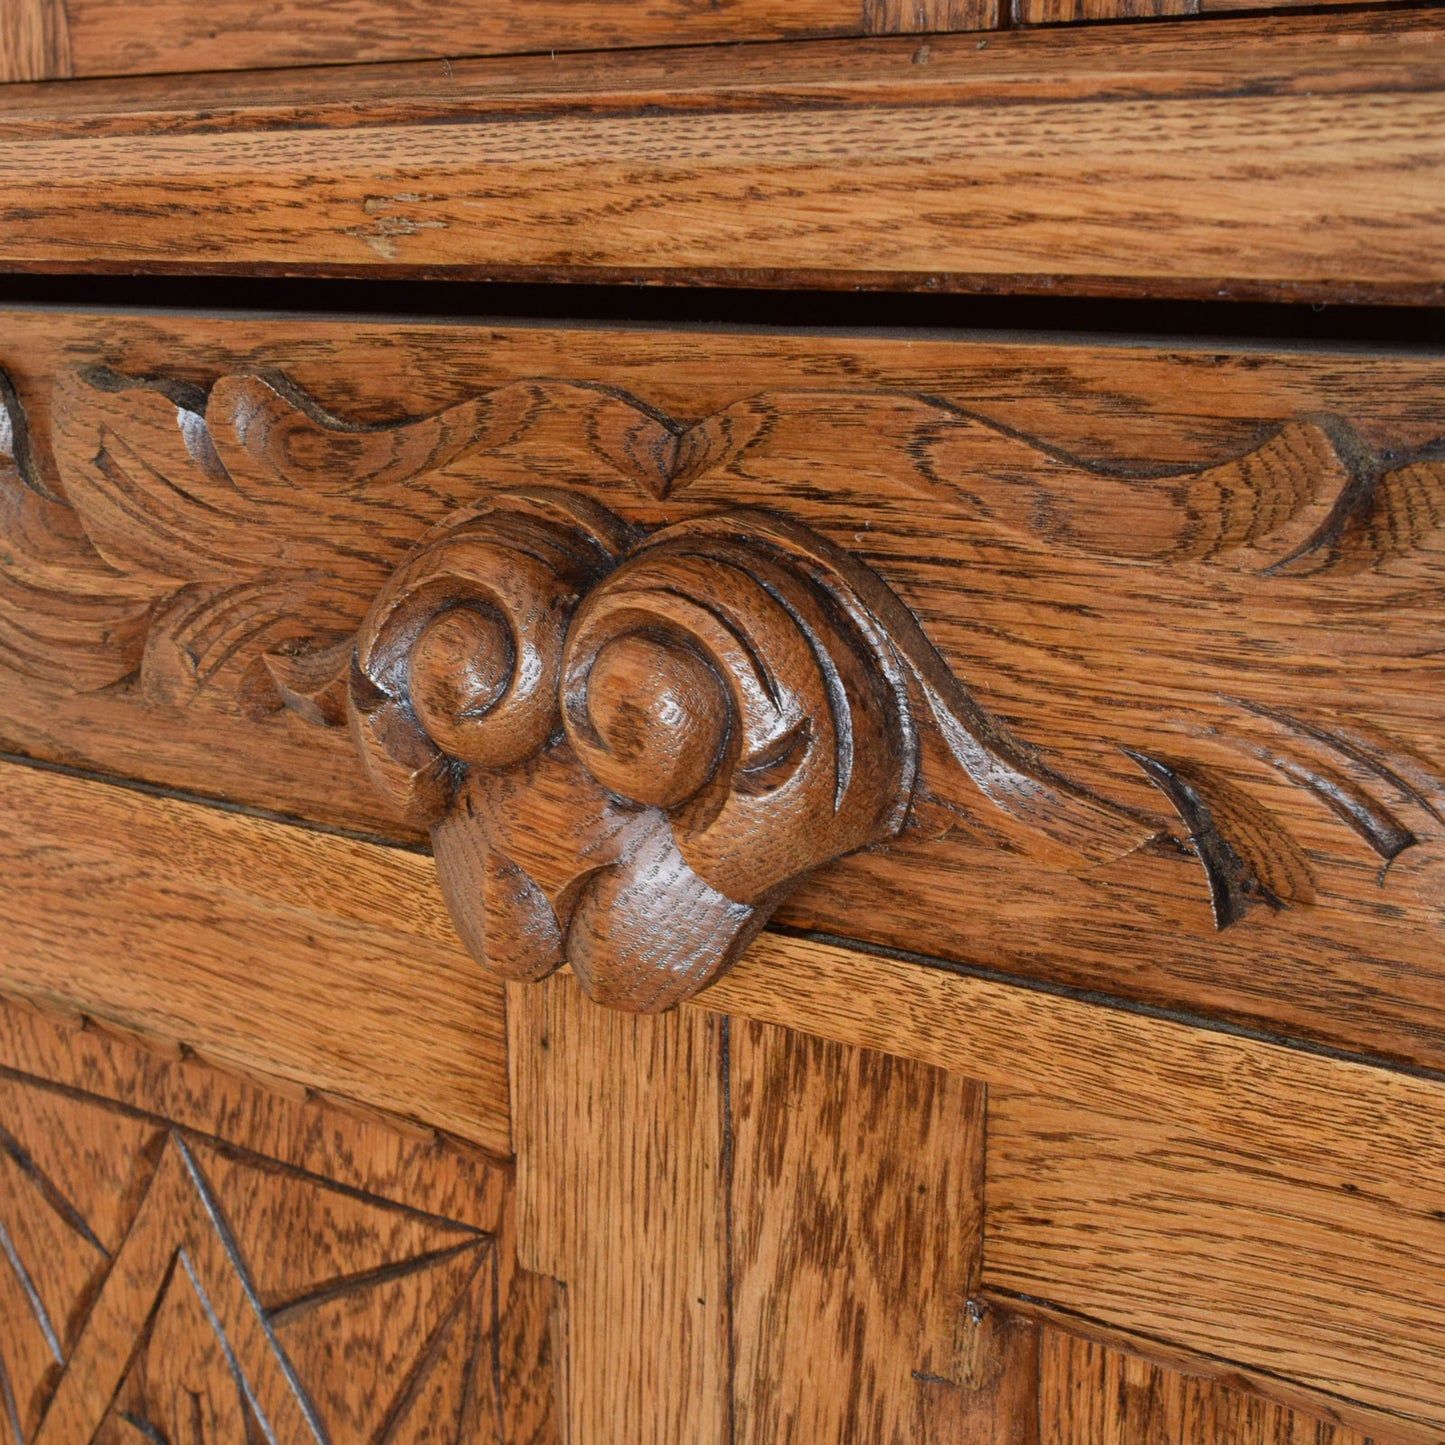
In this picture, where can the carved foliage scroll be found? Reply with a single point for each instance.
(634, 713)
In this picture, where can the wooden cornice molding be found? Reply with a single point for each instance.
(636, 708)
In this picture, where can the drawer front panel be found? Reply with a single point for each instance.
(1154, 565)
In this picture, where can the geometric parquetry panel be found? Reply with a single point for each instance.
(160, 1286)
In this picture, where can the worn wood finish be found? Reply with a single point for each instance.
(1090, 1394)
(186, 1285)
(154, 636)
(137, 37)
(857, 1208)
(753, 194)
(1064, 12)
(297, 955)
(35, 41)
(620, 1126)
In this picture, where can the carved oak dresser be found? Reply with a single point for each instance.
(722, 722)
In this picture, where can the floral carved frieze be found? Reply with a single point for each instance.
(639, 679)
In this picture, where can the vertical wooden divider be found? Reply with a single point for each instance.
(762, 1236)
(620, 1131)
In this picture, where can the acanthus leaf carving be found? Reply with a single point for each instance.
(632, 729)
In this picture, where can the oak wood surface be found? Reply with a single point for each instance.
(203, 1254)
(1090, 1394)
(1263, 1206)
(857, 1222)
(35, 41)
(1128, 669)
(1145, 187)
(1347, 1143)
(1064, 12)
(299, 955)
(620, 1128)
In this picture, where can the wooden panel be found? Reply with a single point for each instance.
(191, 1288)
(294, 954)
(34, 40)
(1353, 1146)
(911, 17)
(857, 1208)
(620, 1126)
(1141, 186)
(1091, 1394)
(1169, 662)
(1264, 1206)
(1088, 1209)
(132, 37)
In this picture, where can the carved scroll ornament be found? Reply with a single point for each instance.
(631, 735)
(629, 748)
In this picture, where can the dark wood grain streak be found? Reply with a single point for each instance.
(1145, 186)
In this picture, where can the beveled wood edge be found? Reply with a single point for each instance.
(358, 226)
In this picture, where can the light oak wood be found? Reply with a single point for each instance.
(1351, 1147)
(346, 1251)
(1256, 193)
(856, 1194)
(1153, 617)
(1246, 1187)
(620, 1128)
(298, 955)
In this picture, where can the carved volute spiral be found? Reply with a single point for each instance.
(458, 658)
(628, 750)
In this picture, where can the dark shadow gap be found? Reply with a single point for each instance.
(745, 308)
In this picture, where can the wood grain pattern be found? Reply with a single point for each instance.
(35, 41)
(1065, 12)
(620, 1125)
(193, 1289)
(299, 955)
(1091, 1394)
(912, 17)
(857, 1201)
(1247, 1188)
(752, 194)
(1165, 651)
(133, 37)
(1347, 1143)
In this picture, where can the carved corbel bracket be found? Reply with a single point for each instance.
(628, 749)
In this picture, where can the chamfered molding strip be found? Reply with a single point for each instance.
(1288, 158)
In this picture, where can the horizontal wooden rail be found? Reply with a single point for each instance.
(1288, 158)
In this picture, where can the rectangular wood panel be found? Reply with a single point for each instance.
(34, 41)
(1265, 1207)
(1242, 161)
(202, 1258)
(298, 955)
